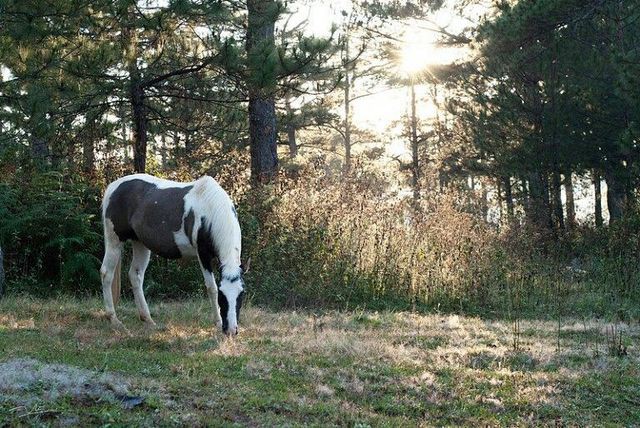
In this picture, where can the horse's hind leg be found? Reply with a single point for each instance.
(138, 267)
(111, 259)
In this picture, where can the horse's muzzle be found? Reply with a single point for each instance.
(231, 331)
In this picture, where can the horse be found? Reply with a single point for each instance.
(174, 220)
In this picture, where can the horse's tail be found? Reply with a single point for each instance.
(115, 284)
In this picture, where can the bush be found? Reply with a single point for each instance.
(340, 244)
(50, 232)
(317, 242)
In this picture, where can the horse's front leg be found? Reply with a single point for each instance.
(212, 292)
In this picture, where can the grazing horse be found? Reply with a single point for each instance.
(176, 221)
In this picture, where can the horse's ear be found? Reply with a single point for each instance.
(246, 265)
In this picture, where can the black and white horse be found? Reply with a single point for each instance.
(174, 220)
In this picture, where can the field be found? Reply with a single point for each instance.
(61, 364)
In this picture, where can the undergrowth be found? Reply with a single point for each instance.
(322, 242)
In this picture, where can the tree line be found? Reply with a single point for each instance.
(547, 94)
(551, 94)
(107, 78)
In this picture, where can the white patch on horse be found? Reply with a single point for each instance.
(187, 249)
(109, 231)
(231, 287)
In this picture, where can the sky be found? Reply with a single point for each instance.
(419, 50)
(4, 72)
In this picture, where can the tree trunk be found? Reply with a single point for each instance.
(262, 131)
(88, 145)
(124, 132)
(176, 139)
(616, 172)
(136, 99)
(538, 209)
(40, 134)
(291, 138)
(500, 199)
(188, 145)
(597, 187)
(571, 207)
(291, 130)
(347, 126)
(508, 196)
(556, 200)
(1, 273)
(140, 121)
(616, 195)
(484, 203)
(347, 108)
(163, 151)
(415, 161)
(260, 46)
(88, 156)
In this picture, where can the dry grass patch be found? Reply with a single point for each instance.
(9, 321)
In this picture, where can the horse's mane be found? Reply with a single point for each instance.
(219, 216)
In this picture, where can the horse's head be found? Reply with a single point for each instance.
(230, 296)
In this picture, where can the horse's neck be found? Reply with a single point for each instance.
(230, 258)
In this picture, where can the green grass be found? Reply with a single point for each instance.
(295, 368)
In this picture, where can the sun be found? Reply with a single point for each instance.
(421, 50)
(415, 57)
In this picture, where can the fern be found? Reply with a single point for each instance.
(80, 268)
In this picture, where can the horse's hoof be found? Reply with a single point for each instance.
(152, 326)
(118, 326)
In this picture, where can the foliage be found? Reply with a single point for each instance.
(50, 232)
(533, 105)
(319, 242)
(550, 94)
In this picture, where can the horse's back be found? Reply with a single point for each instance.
(173, 219)
(147, 209)
(123, 198)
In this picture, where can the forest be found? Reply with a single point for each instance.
(439, 199)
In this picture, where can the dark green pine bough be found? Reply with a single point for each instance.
(1, 273)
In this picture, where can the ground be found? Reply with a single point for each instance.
(300, 368)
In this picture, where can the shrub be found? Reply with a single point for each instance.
(320, 242)
(341, 244)
(49, 231)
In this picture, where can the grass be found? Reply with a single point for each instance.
(296, 368)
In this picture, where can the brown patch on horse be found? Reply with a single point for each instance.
(143, 212)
